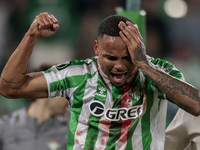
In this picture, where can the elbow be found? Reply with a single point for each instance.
(196, 111)
(8, 93)
(193, 110)
(195, 114)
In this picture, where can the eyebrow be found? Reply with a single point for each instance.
(110, 55)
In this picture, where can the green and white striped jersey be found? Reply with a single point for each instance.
(105, 117)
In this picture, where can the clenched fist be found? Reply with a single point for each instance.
(43, 25)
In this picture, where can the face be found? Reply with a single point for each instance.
(114, 59)
(59, 105)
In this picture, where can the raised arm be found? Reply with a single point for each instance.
(181, 93)
(14, 81)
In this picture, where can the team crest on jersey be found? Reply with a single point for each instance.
(53, 145)
(98, 109)
(136, 94)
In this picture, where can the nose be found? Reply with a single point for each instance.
(119, 65)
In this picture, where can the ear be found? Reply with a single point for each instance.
(96, 48)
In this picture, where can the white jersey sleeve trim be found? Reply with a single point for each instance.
(52, 76)
(48, 80)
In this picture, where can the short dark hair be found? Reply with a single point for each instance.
(109, 25)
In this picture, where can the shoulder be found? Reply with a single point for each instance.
(77, 66)
(76, 63)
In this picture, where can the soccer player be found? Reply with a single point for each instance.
(117, 98)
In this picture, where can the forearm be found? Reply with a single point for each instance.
(14, 73)
(184, 95)
(14, 83)
(181, 93)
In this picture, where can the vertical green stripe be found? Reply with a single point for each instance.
(68, 82)
(93, 122)
(146, 122)
(92, 133)
(54, 86)
(131, 130)
(73, 82)
(135, 102)
(115, 127)
(75, 113)
(137, 99)
(80, 83)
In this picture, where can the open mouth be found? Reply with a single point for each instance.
(118, 77)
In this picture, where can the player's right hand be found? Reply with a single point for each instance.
(43, 25)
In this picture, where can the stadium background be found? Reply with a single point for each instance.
(172, 33)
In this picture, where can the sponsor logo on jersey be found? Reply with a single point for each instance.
(98, 109)
(100, 91)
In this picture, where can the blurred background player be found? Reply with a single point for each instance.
(183, 132)
(41, 126)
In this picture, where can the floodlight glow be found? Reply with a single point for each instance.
(176, 8)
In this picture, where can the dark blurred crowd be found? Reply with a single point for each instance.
(176, 40)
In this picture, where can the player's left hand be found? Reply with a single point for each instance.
(134, 41)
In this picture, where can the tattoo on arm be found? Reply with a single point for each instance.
(167, 84)
(12, 81)
(9, 81)
(140, 52)
(179, 92)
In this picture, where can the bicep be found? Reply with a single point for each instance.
(35, 86)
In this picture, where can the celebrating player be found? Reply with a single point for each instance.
(117, 98)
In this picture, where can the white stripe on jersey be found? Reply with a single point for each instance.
(137, 135)
(137, 138)
(104, 128)
(159, 138)
(70, 92)
(80, 135)
(157, 121)
(82, 127)
(79, 70)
